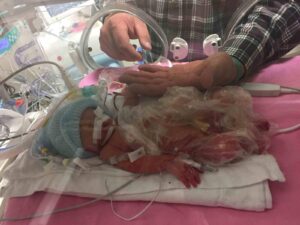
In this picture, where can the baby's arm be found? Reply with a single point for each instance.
(149, 164)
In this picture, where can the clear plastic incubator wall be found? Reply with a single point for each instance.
(52, 69)
(46, 50)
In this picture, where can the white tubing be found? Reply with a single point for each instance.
(114, 8)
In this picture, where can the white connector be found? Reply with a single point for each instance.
(272, 90)
(211, 44)
(267, 89)
(262, 89)
(180, 48)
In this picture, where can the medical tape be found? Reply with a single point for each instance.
(82, 164)
(108, 135)
(118, 158)
(98, 122)
(130, 156)
(135, 155)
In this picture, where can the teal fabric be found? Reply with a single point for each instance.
(240, 68)
(61, 135)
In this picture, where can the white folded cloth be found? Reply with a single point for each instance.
(242, 185)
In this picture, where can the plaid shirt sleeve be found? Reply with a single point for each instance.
(268, 32)
(132, 2)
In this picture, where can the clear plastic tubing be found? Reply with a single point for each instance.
(114, 8)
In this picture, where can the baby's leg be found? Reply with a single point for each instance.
(214, 149)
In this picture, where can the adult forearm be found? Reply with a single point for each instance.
(268, 32)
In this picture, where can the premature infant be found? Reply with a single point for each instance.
(153, 135)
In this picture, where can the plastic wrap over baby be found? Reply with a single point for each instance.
(151, 135)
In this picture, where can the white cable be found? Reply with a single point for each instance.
(61, 70)
(141, 212)
(272, 90)
(64, 76)
(288, 129)
(290, 88)
(288, 91)
(268, 89)
(72, 207)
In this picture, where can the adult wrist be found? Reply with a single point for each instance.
(107, 16)
(111, 14)
(168, 162)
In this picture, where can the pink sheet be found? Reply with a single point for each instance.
(284, 110)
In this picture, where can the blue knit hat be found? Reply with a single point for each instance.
(61, 135)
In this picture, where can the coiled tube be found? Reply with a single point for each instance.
(113, 8)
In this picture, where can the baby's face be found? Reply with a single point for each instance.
(86, 124)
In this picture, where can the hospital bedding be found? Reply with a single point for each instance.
(242, 185)
(282, 110)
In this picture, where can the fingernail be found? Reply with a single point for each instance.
(147, 45)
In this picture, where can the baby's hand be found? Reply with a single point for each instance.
(187, 174)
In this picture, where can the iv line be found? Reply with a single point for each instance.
(33, 216)
(61, 70)
(142, 211)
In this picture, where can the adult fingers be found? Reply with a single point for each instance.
(114, 38)
(153, 68)
(142, 80)
(123, 46)
(130, 77)
(107, 46)
(150, 90)
(142, 33)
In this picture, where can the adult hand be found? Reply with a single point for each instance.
(153, 80)
(116, 32)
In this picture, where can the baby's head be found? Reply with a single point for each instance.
(62, 135)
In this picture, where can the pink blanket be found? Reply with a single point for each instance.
(284, 110)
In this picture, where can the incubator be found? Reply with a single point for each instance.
(49, 50)
(65, 33)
